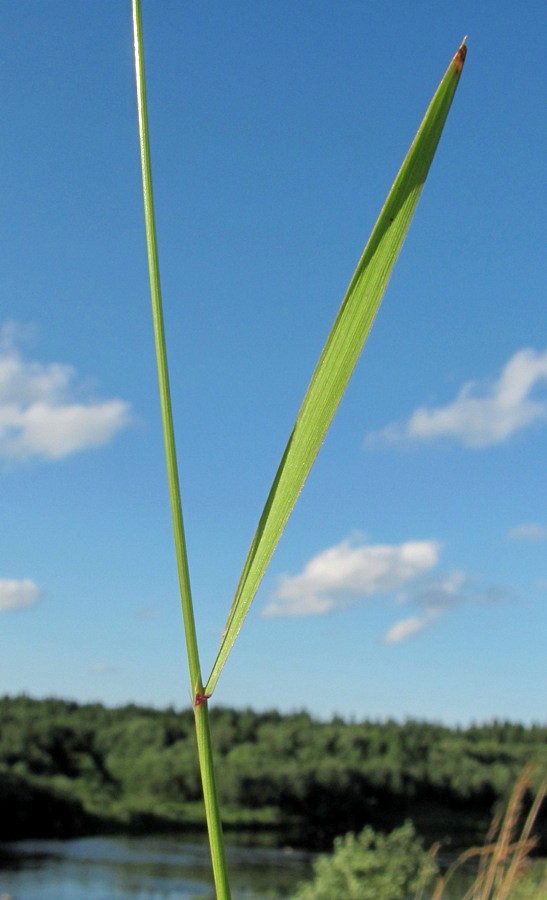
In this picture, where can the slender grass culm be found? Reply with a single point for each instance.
(328, 383)
(203, 733)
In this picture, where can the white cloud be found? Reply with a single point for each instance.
(341, 575)
(528, 532)
(402, 573)
(406, 628)
(18, 594)
(40, 413)
(483, 413)
(435, 597)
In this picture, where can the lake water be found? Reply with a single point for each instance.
(141, 868)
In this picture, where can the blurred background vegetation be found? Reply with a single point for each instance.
(68, 769)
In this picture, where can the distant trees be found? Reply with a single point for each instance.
(30, 810)
(124, 765)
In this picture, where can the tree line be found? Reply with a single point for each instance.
(68, 768)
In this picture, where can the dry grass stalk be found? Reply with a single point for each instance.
(424, 877)
(503, 859)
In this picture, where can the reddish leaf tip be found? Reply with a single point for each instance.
(459, 58)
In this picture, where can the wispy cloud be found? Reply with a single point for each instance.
(345, 573)
(435, 597)
(400, 574)
(41, 414)
(408, 627)
(16, 594)
(528, 532)
(484, 413)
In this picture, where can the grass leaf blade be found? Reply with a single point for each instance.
(340, 354)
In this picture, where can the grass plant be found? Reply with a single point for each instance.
(327, 385)
(504, 862)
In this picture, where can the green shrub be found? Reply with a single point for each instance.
(371, 866)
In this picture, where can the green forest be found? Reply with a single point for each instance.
(68, 769)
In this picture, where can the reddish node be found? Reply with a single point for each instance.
(200, 699)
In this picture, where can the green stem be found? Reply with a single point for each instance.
(203, 733)
(210, 797)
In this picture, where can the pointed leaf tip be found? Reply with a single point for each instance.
(459, 58)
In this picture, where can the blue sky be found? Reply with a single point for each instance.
(412, 577)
